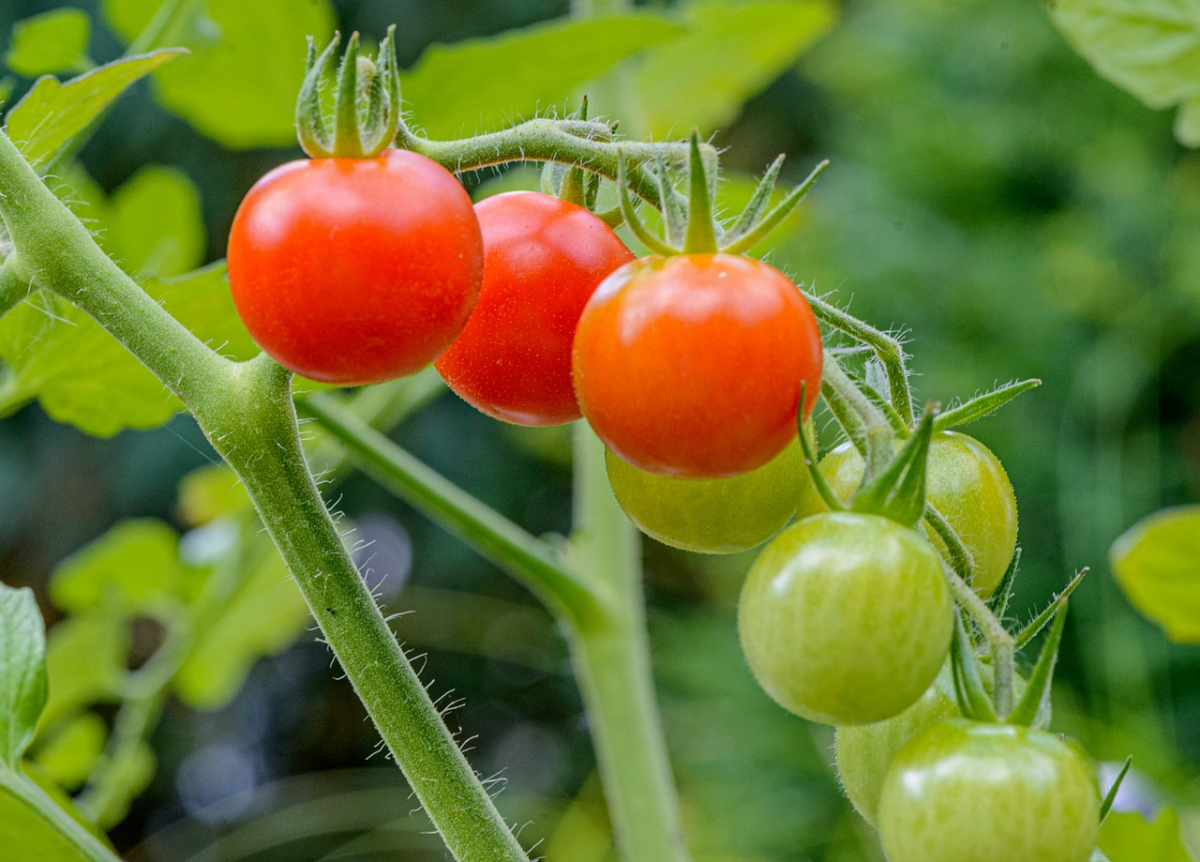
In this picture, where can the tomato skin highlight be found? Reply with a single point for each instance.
(543, 259)
(712, 516)
(355, 271)
(846, 618)
(969, 792)
(966, 482)
(691, 366)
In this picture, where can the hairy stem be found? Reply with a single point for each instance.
(1000, 642)
(887, 348)
(877, 434)
(546, 140)
(13, 288)
(246, 411)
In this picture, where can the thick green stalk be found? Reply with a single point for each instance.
(612, 661)
(246, 411)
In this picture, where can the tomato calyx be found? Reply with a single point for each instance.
(696, 229)
(366, 103)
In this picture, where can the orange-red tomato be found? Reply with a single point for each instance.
(543, 258)
(355, 271)
(692, 365)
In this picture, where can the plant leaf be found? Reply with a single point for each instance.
(22, 672)
(51, 113)
(85, 660)
(54, 41)
(731, 52)
(455, 89)
(1149, 47)
(239, 84)
(264, 618)
(1128, 837)
(1157, 564)
(84, 377)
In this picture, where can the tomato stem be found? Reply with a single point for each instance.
(246, 411)
(1000, 642)
(13, 288)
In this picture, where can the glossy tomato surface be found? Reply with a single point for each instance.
(968, 792)
(846, 618)
(354, 271)
(712, 516)
(965, 482)
(692, 366)
(543, 259)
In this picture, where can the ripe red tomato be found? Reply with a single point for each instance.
(692, 365)
(354, 271)
(543, 258)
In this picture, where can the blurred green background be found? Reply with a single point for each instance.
(1015, 215)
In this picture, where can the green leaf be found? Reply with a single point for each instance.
(209, 492)
(84, 377)
(134, 569)
(1128, 837)
(1157, 563)
(732, 51)
(22, 672)
(1187, 123)
(264, 618)
(482, 83)
(68, 757)
(51, 42)
(153, 224)
(85, 659)
(51, 114)
(1149, 47)
(239, 85)
(33, 825)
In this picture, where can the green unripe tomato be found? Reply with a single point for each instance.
(846, 618)
(712, 516)
(965, 482)
(969, 792)
(864, 752)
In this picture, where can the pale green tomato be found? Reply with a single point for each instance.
(968, 792)
(965, 482)
(864, 752)
(712, 516)
(846, 618)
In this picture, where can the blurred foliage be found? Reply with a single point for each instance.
(1017, 215)
(1158, 564)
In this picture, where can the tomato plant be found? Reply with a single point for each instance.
(711, 516)
(990, 793)
(543, 258)
(355, 271)
(845, 618)
(692, 366)
(966, 483)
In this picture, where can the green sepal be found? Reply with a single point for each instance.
(998, 602)
(701, 236)
(758, 201)
(983, 405)
(1029, 707)
(969, 690)
(366, 101)
(753, 236)
(1111, 796)
(629, 212)
(1039, 622)
(898, 491)
(810, 460)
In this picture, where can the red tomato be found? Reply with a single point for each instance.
(692, 365)
(543, 258)
(354, 271)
